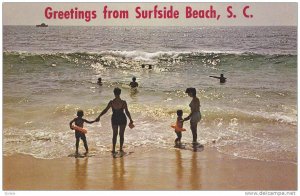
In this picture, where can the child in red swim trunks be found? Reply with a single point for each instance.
(178, 127)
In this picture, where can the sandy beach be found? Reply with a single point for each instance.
(164, 169)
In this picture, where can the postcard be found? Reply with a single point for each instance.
(150, 96)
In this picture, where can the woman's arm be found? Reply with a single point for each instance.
(127, 112)
(87, 121)
(103, 112)
(188, 117)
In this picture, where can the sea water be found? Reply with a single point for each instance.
(50, 73)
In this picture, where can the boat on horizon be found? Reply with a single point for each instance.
(42, 25)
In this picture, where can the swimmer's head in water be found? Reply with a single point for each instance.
(191, 91)
(134, 79)
(222, 75)
(117, 91)
(179, 113)
(80, 113)
(99, 79)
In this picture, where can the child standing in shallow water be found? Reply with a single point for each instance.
(79, 122)
(178, 127)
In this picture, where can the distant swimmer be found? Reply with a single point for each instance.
(149, 66)
(99, 81)
(222, 78)
(133, 84)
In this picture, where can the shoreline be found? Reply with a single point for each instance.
(159, 169)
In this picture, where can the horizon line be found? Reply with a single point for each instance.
(154, 26)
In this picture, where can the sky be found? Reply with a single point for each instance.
(263, 14)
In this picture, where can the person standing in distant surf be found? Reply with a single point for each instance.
(222, 78)
(99, 82)
(195, 115)
(133, 84)
(118, 119)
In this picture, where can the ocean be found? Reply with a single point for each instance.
(50, 73)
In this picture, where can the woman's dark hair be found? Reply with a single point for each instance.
(80, 113)
(117, 91)
(191, 90)
(134, 79)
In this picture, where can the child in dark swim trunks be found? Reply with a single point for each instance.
(79, 122)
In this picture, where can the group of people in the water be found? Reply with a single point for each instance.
(145, 65)
(132, 84)
(120, 111)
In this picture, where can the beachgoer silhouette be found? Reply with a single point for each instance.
(79, 122)
(179, 124)
(118, 119)
(99, 82)
(195, 115)
(222, 78)
(133, 84)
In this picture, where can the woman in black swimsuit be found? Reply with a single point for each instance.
(118, 118)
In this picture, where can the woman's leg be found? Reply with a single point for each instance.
(194, 131)
(122, 131)
(114, 139)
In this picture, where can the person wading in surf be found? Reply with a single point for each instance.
(195, 115)
(118, 118)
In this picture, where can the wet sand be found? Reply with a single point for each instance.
(163, 169)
